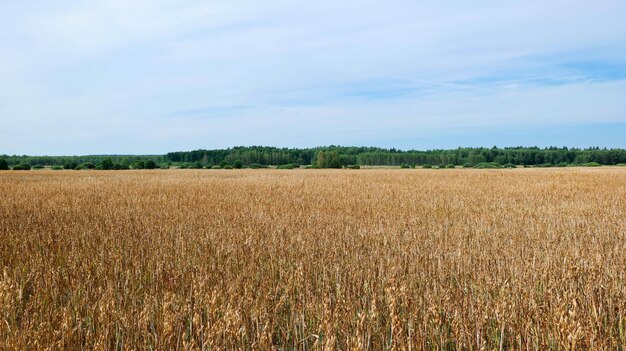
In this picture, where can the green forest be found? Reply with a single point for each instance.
(329, 157)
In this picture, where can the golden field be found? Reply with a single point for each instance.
(313, 259)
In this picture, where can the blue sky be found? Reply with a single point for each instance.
(85, 77)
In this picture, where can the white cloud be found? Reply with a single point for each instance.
(350, 71)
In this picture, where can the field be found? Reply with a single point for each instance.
(313, 259)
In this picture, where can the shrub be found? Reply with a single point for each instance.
(195, 165)
(228, 167)
(450, 166)
(426, 165)
(485, 165)
(287, 166)
(562, 164)
(223, 164)
(404, 165)
(215, 167)
(442, 165)
(621, 165)
(22, 167)
(468, 165)
(164, 166)
(591, 164)
(509, 165)
(354, 167)
(237, 164)
(3, 165)
(38, 167)
(56, 168)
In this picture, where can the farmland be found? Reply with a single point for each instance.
(313, 259)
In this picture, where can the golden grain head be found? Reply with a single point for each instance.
(313, 259)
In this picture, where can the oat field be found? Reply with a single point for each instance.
(313, 259)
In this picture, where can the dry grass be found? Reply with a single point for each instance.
(313, 259)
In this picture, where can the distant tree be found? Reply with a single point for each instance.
(205, 159)
(3, 165)
(137, 165)
(237, 164)
(107, 164)
(333, 159)
(86, 165)
(70, 165)
(320, 160)
(328, 159)
(475, 157)
(149, 164)
(124, 163)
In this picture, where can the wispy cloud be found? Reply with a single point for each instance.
(189, 74)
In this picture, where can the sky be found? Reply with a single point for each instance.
(153, 76)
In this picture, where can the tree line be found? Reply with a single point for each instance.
(337, 156)
(328, 157)
(101, 162)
